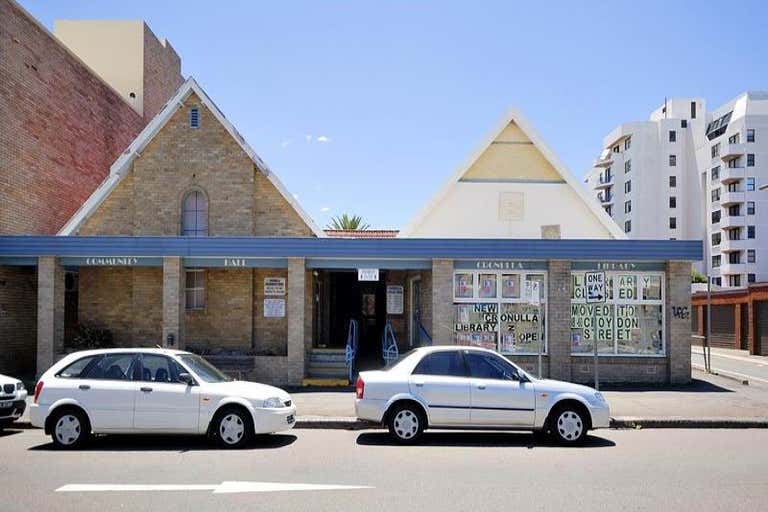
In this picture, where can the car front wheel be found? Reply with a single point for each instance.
(69, 429)
(406, 423)
(568, 425)
(234, 428)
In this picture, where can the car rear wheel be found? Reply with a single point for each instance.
(70, 429)
(406, 423)
(568, 425)
(233, 427)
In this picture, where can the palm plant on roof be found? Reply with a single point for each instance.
(348, 223)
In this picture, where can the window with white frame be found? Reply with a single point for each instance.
(491, 311)
(630, 322)
(194, 288)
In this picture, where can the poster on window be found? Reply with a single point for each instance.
(522, 328)
(487, 286)
(394, 299)
(274, 308)
(510, 286)
(477, 324)
(584, 330)
(463, 284)
(638, 329)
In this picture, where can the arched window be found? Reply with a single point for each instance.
(194, 214)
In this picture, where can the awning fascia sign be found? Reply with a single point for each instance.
(619, 266)
(112, 261)
(384, 264)
(18, 261)
(235, 262)
(492, 264)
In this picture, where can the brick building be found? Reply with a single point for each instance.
(192, 241)
(739, 318)
(65, 120)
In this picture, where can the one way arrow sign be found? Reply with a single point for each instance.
(222, 488)
(595, 286)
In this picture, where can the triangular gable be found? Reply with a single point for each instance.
(122, 165)
(513, 152)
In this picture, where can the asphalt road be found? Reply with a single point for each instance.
(618, 470)
(739, 363)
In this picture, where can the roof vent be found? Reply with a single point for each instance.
(194, 117)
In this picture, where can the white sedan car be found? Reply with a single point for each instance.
(474, 388)
(153, 391)
(13, 398)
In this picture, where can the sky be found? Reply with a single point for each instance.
(368, 107)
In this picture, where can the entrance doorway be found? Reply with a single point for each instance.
(346, 299)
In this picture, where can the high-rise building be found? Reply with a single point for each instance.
(687, 173)
(732, 157)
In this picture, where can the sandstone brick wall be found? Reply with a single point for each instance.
(227, 319)
(678, 333)
(442, 302)
(62, 127)
(270, 335)
(18, 320)
(241, 200)
(162, 73)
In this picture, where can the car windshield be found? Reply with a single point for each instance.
(203, 369)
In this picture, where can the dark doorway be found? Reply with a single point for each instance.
(364, 301)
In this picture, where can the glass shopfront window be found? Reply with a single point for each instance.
(491, 311)
(630, 322)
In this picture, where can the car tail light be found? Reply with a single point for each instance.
(359, 388)
(38, 389)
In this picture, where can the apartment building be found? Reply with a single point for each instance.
(732, 157)
(645, 167)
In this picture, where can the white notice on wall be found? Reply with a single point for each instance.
(394, 299)
(274, 308)
(274, 286)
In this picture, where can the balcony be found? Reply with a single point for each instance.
(605, 199)
(731, 151)
(733, 268)
(727, 245)
(605, 159)
(604, 182)
(731, 198)
(732, 221)
(731, 174)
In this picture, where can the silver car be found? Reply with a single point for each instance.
(474, 388)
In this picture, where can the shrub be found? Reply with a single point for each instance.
(698, 277)
(88, 337)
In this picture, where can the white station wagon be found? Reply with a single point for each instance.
(153, 391)
(474, 388)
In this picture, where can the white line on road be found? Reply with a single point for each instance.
(222, 488)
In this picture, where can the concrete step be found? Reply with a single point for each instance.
(327, 372)
(324, 382)
(326, 356)
(327, 364)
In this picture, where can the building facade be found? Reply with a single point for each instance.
(646, 172)
(193, 242)
(63, 126)
(732, 157)
(689, 173)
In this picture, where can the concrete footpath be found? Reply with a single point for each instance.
(708, 402)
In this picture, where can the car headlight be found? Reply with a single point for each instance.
(19, 386)
(273, 403)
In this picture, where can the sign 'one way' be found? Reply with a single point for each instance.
(595, 282)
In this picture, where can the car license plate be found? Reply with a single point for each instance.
(4, 405)
(290, 419)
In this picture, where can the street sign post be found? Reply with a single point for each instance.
(596, 292)
(533, 297)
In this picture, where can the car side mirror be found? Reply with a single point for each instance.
(186, 379)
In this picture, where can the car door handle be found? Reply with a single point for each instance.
(419, 384)
(146, 390)
(84, 387)
(481, 386)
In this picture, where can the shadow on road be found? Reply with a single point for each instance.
(9, 432)
(480, 439)
(695, 386)
(141, 443)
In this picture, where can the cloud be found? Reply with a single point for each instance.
(286, 143)
(325, 209)
(323, 139)
(308, 138)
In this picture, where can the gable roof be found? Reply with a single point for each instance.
(122, 166)
(516, 117)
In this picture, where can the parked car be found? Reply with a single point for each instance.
(13, 400)
(153, 391)
(474, 388)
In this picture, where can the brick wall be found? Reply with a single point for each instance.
(18, 320)
(162, 73)
(226, 320)
(62, 127)
(241, 200)
(269, 334)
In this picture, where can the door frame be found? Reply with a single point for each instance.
(411, 302)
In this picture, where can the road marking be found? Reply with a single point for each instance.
(227, 487)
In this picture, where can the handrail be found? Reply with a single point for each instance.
(424, 340)
(389, 349)
(350, 350)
